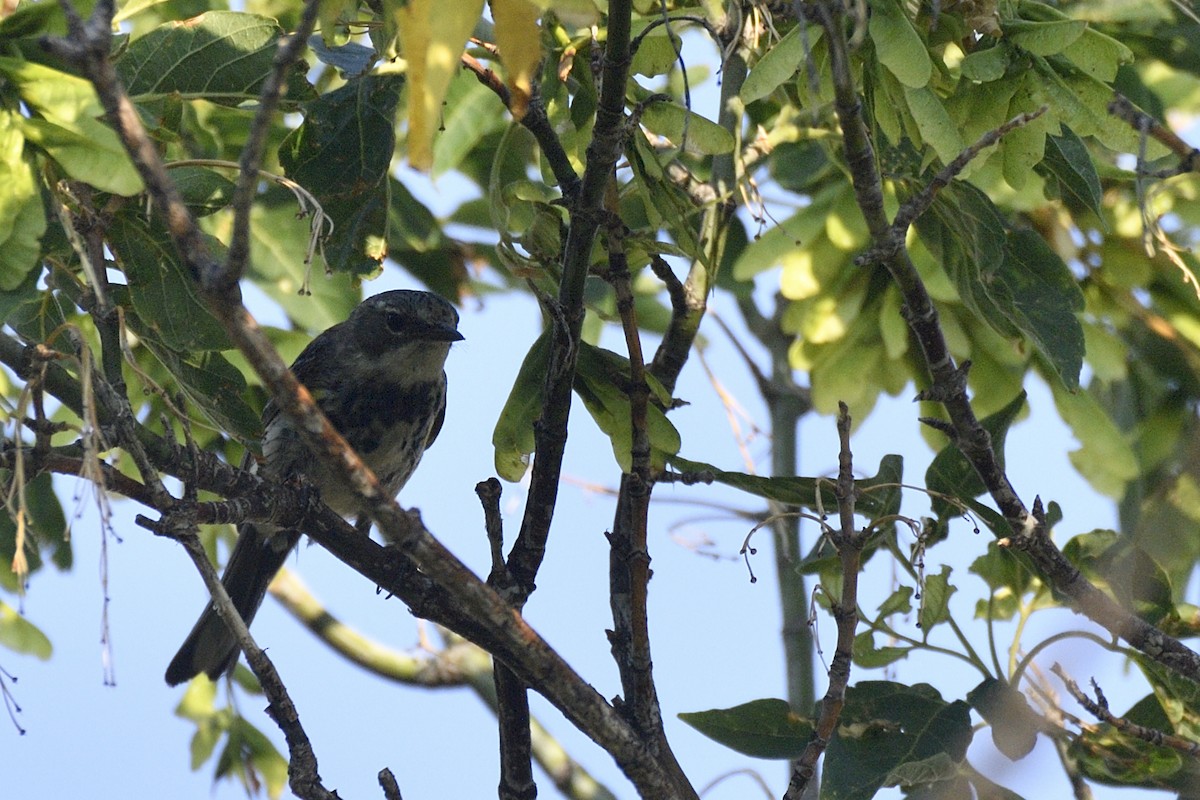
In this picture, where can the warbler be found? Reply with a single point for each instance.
(380, 379)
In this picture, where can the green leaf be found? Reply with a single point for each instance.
(1098, 54)
(163, 294)
(67, 126)
(885, 725)
(779, 64)
(868, 656)
(877, 496)
(1111, 757)
(215, 387)
(935, 600)
(513, 436)
(1014, 724)
(1040, 295)
(1002, 570)
(600, 378)
(82, 157)
(986, 65)
(1043, 38)
(783, 243)
(899, 602)
(951, 474)
(342, 153)
(1068, 161)
(937, 128)
(46, 530)
(468, 115)
(657, 52)
(219, 56)
(1010, 278)
(22, 636)
(278, 247)
(696, 134)
(24, 293)
(415, 240)
(197, 701)
(22, 216)
(765, 728)
(1106, 458)
(897, 44)
(204, 190)
(31, 19)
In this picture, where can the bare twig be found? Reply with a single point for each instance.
(290, 49)
(849, 545)
(629, 555)
(1099, 709)
(303, 777)
(536, 122)
(1189, 157)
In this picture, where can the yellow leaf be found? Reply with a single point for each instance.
(432, 37)
(519, 40)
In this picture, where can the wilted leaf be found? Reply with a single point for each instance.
(433, 36)
(516, 32)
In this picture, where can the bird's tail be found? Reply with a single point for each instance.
(211, 647)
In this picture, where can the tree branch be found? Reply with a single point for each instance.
(1099, 709)
(586, 210)
(303, 777)
(849, 544)
(949, 381)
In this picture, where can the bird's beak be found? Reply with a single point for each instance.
(443, 333)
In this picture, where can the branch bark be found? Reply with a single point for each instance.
(949, 380)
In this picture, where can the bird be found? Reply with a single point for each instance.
(380, 379)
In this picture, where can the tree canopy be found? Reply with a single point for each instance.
(954, 199)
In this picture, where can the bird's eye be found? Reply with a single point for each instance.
(395, 322)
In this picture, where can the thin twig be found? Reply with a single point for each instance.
(290, 49)
(303, 777)
(1099, 709)
(845, 611)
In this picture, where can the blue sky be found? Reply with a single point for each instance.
(715, 633)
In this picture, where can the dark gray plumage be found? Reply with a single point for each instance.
(379, 378)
